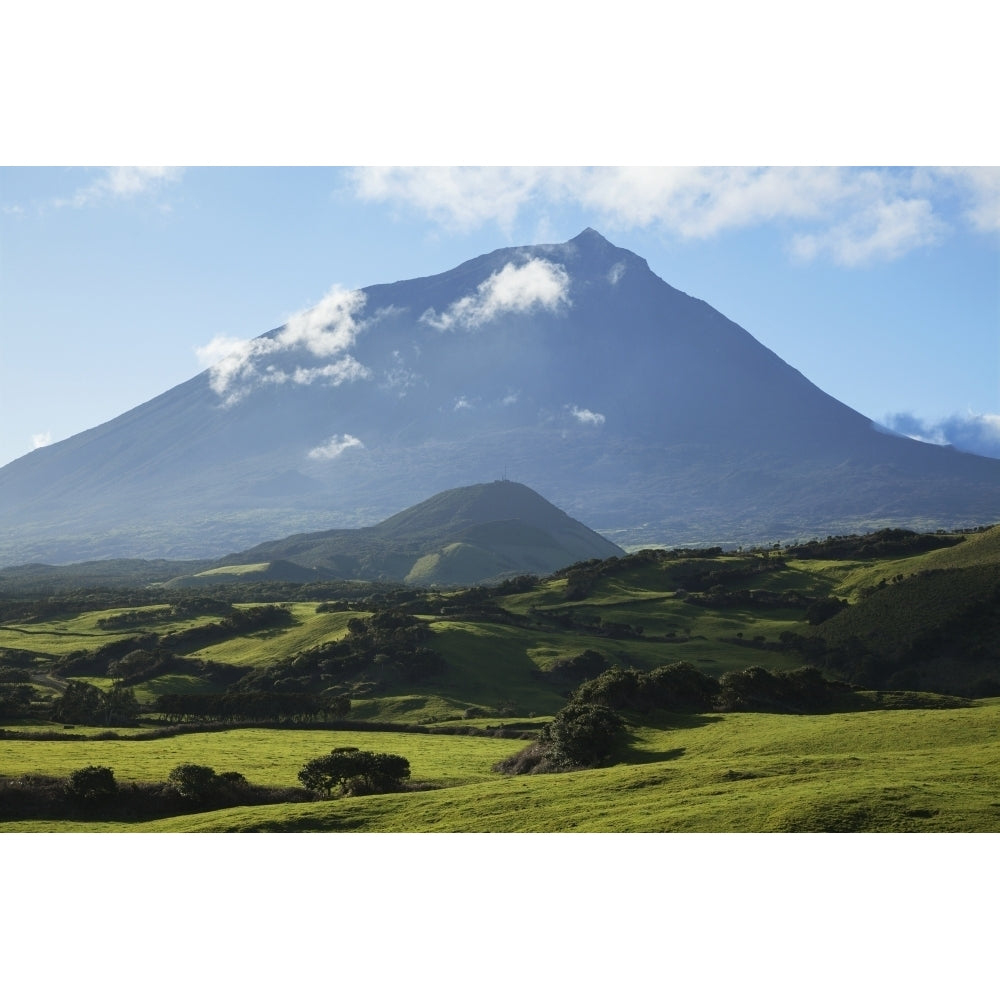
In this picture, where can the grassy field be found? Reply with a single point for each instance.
(264, 756)
(886, 771)
(901, 770)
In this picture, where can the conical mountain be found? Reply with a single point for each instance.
(636, 408)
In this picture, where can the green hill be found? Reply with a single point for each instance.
(473, 534)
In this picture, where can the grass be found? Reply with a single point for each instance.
(264, 756)
(903, 771)
(262, 648)
(922, 768)
(242, 569)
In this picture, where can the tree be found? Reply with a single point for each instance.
(79, 702)
(354, 772)
(15, 700)
(583, 735)
(120, 705)
(92, 785)
(194, 781)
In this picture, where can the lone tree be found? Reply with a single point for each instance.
(355, 772)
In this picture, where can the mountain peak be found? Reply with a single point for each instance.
(590, 235)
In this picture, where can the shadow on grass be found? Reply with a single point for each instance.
(675, 720)
(633, 755)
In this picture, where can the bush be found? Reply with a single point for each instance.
(355, 772)
(92, 785)
(583, 735)
(194, 781)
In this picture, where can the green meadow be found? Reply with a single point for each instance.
(922, 770)
(910, 761)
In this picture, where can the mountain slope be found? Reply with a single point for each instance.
(634, 407)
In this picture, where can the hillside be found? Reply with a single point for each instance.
(468, 535)
(632, 406)
(710, 657)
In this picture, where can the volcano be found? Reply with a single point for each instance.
(635, 408)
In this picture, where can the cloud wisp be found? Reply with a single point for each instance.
(585, 416)
(335, 447)
(237, 367)
(41, 440)
(516, 288)
(978, 433)
(852, 216)
(118, 183)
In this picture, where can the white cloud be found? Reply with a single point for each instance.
(616, 272)
(327, 329)
(852, 215)
(511, 398)
(978, 433)
(337, 444)
(462, 404)
(515, 288)
(979, 189)
(400, 378)
(121, 182)
(41, 440)
(459, 198)
(587, 416)
(882, 231)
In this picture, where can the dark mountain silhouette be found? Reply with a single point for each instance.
(634, 407)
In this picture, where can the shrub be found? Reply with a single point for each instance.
(194, 781)
(583, 735)
(355, 772)
(92, 785)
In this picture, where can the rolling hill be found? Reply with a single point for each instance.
(473, 534)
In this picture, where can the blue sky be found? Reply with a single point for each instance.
(882, 286)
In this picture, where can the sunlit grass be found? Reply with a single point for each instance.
(904, 771)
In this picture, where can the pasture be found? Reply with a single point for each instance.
(918, 770)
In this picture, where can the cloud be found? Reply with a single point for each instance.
(978, 433)
(399, 378)
(323, 331)
(882, 231)
(41, 440)
(513, 289)
(459, 198)
(337, 444)
(326, 328)
(587, 416)
(462, 404)
(853, 216)
(616, 272)
(121, 183)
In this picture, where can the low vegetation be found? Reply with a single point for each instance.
(623, 667)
